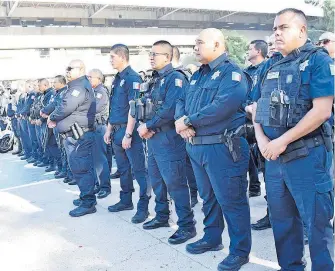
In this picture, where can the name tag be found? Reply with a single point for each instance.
(272, 75)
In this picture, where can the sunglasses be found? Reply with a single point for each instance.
(324, 42)
(68, 69)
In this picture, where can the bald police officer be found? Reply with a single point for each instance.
(74, 120)
(213, 125)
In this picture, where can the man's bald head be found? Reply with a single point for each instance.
(210, 44)
(75, 69)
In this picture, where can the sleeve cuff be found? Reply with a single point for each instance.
(150, 125)
(193, 120)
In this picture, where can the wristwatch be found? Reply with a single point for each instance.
(187, 122)
(127, 135)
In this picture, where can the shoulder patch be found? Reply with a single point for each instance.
(178, 83)
(235, 76)
(99, 95)
(75, 93)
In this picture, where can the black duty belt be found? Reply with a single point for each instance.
(299, 148)
(218, 139)
(116, 127)
(208, 140)
(165, 128)
(70, 133)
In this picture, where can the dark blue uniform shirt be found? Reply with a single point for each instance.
(27, 104)
(168, 85)
(124, 87)
(316, 75)
(214, 96)
(78, 105)
(55, 101)
(101, 98)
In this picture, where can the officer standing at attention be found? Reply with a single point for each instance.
(166, 149)
(189, 170)
(126, 143)
(101, 167)
(212, 123)
(294, 102)
(60, 88)
(74, 119)
(20, 105)
(256, 55)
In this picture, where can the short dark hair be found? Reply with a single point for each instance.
(121, 50)
(166, 44)
(61, 79)
(175, 52)
(298, 12)
(44, 81)
(261, 45)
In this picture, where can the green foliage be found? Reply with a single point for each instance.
(236, 46)
(325, 23)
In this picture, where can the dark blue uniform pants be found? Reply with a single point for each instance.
(223, 185)
(128, 160)
(25, 137)
(101, 167)
(39, 135)
(33, 139)
(254, 183)
(81, 163)
(191, 178)
(302, 191)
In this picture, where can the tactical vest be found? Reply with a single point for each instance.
(280, 104)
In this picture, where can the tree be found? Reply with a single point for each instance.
(236, 46)
(325, 23)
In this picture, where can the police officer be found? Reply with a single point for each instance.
(20, 105)
(327, 41)
(166, 150)
(47, 138)
(256, 55)
(24, 114)
(11, 111)
(60, 88)
(75, 122)
(212, 123)
(294, 102)
(101, 167)
(126, 143)
(189, 171)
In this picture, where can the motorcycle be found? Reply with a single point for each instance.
(7, 138)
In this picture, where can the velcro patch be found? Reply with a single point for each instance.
(75, 93)
(272, 75)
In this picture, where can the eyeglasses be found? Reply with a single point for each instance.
(153, 54)
(270, 44)
(324, 42)
(68, 69)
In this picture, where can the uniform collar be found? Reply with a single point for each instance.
(164, 70)
(62, 89)
(216, 62)
(98, 86)
(76, 81)
(123, 74)
(256, 66)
